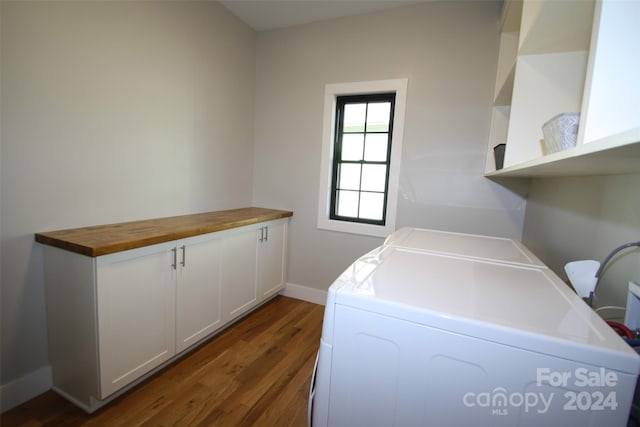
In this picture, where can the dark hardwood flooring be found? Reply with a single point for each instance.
(255, 373)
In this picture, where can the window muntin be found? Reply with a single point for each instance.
(362, 156)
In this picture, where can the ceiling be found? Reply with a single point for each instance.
(264, 15)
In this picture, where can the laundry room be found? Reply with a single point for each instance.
(221, 116)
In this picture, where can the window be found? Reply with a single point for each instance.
(362, 143)
(362, 148)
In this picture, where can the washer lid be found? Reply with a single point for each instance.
(467, 245)
(524, 307)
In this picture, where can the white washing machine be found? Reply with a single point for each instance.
(474, 246)
(423, 338)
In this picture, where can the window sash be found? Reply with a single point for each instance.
(338, 161)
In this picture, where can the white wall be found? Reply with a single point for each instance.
(569, 219)
(112, 111)
(448, 51)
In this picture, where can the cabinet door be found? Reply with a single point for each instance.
(271, 258)
(238, 271)
(136, 314)
(198, 289)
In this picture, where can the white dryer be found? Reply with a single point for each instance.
(475, 246)
(416, 337)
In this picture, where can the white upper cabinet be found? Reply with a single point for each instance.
(571, 56)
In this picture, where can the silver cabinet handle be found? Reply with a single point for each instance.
(264, 234)
(175, 258)
(184, 255)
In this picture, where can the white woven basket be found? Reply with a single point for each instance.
(560, 132)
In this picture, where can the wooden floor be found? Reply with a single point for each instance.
(256, 373)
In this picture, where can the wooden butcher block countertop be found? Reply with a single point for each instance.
(107, 239)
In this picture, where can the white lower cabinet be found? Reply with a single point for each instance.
(198, 311)
(253, 266)
(239, 273)
(272, 258)
(136, 312)
(115, 318)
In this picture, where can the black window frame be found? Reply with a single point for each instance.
(341, 102)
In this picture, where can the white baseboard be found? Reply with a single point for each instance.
(19, 391)
(305, 293)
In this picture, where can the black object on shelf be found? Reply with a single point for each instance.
(498, 154)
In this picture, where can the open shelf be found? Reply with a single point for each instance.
(511, 15)
(553, 26)
(617, 154)
(506, 69)
(545, 86)
(571, 56)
